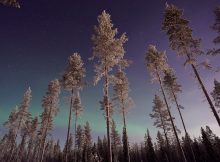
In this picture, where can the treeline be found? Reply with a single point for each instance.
(29, 138)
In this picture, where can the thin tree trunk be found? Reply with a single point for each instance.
(68, 131)
(174, 129)
(76, 117)
(45, 136)
(125, 127)
(107, 117)
(21, 150)
(205, 92)
(186, 133)
(14, 142)
(165, 134)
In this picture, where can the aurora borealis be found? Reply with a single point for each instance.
(36, 40)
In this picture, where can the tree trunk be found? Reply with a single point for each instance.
(107, 117)
(168, 109)
(125, 127)
(76, 117)
(165, 134)
(69, 124)
(14, 142)
(186, 133)
(205, 92)
(45, 136)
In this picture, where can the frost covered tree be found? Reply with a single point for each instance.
(87, 143)
(32, 138)
(124, 102)
(216, 27)
(151, 156)
(108, 50)
(77, 109)
(116, 141)
(156, 63)
(50, 104)
(182, 41)
(22, 118)
(11, 125)
(162, 150)
(13, 3)
(79, 142)
(216, 93)
(161, 117)
(172, 88)
(72, 82)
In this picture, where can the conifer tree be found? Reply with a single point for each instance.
(209, 147)
(50, 104)
(87, 146)
(216, 93)
(172, 88)
(108, 51)
(116, 141)
(161, 116)
(32, 138)
(156, 63)
(77, 109)
(22, 118)
(79, 142)
(182, 41)
(216, 27)
(121, 96)
(149, 148)
(72, 82)
(162, 149)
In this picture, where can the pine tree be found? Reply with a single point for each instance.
(32, 138)
(69, 146)
(57, 151)
(108, 50)
(116, 141)
(149, 148)
(72, 82)
(121, 96)
(13, 3)
(156, 63)
(182, 41)
(161, 116)
(10, 138)
(162, 153)
(22, 118)
(79, 142)
(216, 93)
(50, 104)
(216, 27)
(77, 109)
(87, 146)
(173, 88)
(208, 145)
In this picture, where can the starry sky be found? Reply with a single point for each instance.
(36, 40)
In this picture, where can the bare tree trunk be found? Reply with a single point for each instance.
(76, 117)
(125, 127)
(69, 124)
(186, 133)
(174, 129)
(106, 97)
(205, 92)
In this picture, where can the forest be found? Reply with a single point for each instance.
(28, 137)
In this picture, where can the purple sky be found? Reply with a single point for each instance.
(36, 40)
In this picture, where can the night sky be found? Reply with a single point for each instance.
(36, 40)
